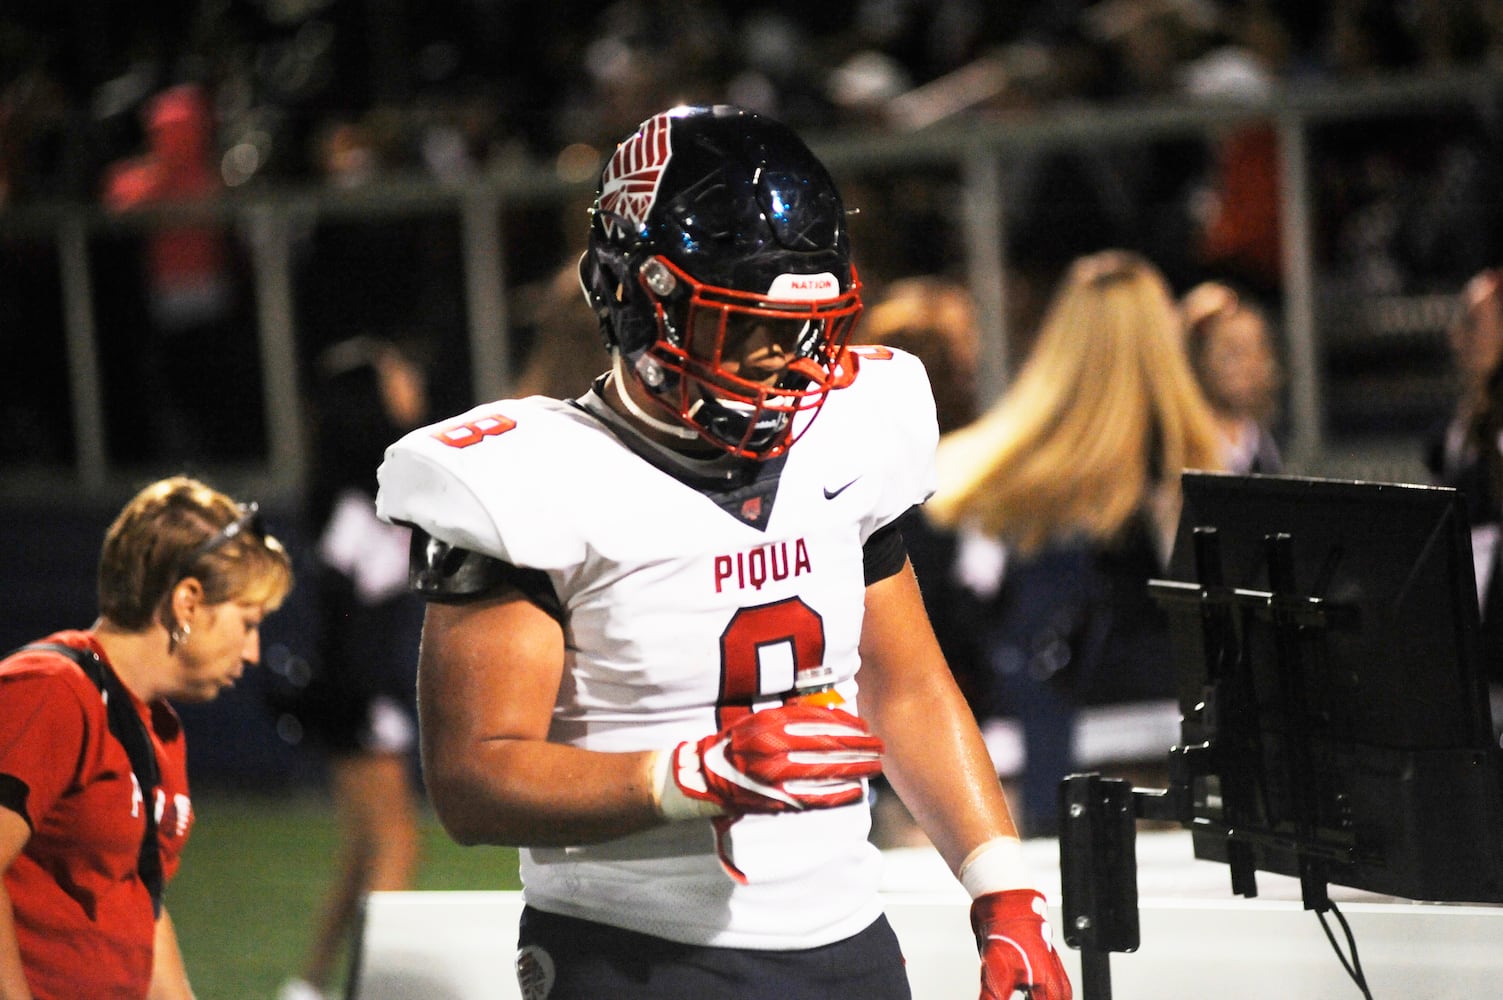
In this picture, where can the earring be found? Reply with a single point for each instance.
(180, 633)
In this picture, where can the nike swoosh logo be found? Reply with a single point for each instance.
(714, 760)
(832, 494)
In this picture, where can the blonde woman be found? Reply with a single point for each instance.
(1075, 472)
(94, 799)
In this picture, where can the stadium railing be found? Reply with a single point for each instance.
(973, 153)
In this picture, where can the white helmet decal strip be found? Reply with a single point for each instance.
(804, 287)
(630, 184)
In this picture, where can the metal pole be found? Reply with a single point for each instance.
(276, 322)
(83, 351)
(1095, 975)
(485, 294)
(1307, 432)
(985, 241)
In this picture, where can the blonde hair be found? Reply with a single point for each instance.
(1098, 424)
(166, 533)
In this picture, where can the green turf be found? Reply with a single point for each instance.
(253, 878)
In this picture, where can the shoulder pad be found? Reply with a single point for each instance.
(439, 571)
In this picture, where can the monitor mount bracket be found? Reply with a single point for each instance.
(1098, 815)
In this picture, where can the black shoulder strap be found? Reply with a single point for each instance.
(127, 727)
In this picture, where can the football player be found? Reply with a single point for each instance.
(672, 630)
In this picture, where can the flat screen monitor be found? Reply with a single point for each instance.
(1335, 723)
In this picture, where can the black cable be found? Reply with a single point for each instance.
(1354, 966)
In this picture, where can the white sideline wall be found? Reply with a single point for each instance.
(1197, 939)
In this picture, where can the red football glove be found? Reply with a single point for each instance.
(776, 760)
(1016, 950)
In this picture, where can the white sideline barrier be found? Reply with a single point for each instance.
(1200, 942)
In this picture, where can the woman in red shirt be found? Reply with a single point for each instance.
(94, 803)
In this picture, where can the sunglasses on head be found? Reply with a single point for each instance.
(249, 520)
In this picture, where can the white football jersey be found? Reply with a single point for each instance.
(680, 611)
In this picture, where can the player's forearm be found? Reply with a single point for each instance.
(935, 760)
(942, 772)
(529, 793)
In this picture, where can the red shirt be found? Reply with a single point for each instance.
(84, 918)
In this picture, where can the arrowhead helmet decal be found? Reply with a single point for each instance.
(630, 184)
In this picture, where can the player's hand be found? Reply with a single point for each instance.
(776, 760)
(1016, 951)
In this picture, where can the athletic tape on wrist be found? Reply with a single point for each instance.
(671, 801)
(995, 866)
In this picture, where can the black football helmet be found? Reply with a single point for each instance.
(714, 231)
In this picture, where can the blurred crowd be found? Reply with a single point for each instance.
(457, 86)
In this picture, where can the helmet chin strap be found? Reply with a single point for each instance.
(619, 377)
